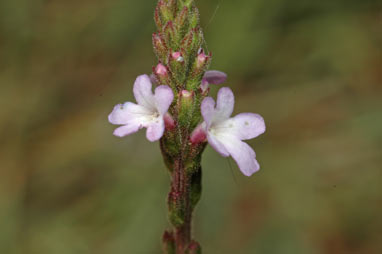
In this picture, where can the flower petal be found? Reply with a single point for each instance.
(241, 152)
(245, 158)
(126, 130)
(118, 115)
(215, 77)
(247, 125)
(224, 104)
(155, 129)
(129, 112)
(208, 110)
(163, 98)
(143, 93)
(217, 145)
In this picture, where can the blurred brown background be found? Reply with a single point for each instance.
(312, 69)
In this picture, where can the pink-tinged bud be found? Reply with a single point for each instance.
(161, 70)
(169, 122)
(186, 99)
(186, 94)
(198, 135)
(204, 86)
(177, 56)
(201, 60)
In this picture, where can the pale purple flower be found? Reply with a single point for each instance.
(225, 134)
(212, 77)
(148, 113)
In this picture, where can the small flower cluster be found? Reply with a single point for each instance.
(223, 132)
(182, 86)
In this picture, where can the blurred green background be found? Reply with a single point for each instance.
(312, 69)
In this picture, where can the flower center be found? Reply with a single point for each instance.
(155, 117)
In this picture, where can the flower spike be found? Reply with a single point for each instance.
(183, 118)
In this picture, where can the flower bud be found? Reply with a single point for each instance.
(194, 18)
(186, 43)
(157, 17)
(181, 20)
(160, 47)
(161, 70)
(177, 67)
(187, 98)
(177, 56)
(204, 86)
(192, 41)
(169, 122)
(162, 74)
(198, 135)
(166, 11)
(199, 67)
(186, 107)
(170, 34)
(201, 60)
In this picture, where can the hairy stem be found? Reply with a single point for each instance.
(181, 186)
(184, 194)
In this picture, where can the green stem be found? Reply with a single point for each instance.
(184, 194)
(180, 189)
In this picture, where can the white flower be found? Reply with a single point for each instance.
(148, 113)
(225, 134)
